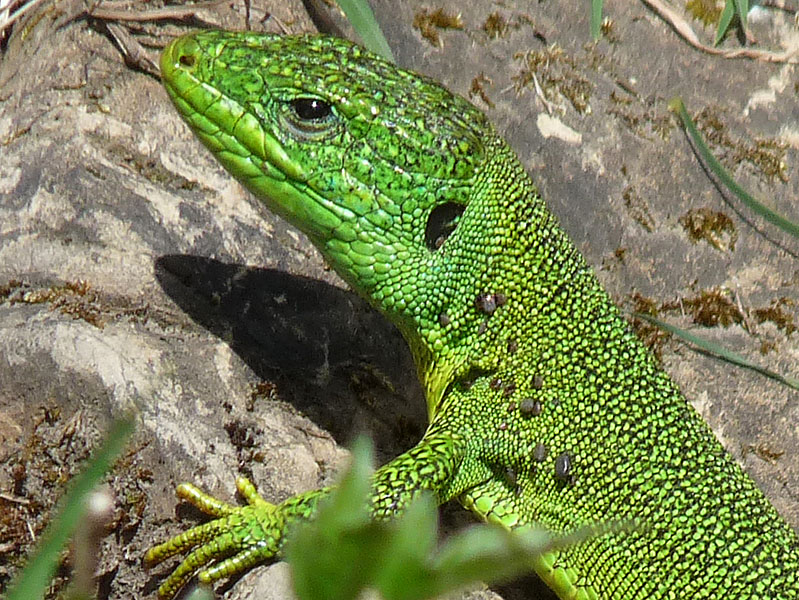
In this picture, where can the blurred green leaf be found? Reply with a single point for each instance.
(404, 572)
(334, 557)
(201, 592)
(344, 551)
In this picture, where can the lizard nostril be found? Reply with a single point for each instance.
(187, 60)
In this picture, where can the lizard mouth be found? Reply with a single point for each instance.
(225, 126)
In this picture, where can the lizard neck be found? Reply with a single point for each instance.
(490, 284)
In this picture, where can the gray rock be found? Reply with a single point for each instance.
(134, 273)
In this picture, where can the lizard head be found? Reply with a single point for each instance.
(373, 163)
(376, 165)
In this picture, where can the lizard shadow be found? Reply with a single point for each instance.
(330, 355)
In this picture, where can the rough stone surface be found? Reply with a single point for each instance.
(134, 273)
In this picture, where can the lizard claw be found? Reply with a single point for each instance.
(237, 539)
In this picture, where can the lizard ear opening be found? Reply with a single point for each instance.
(441, 223)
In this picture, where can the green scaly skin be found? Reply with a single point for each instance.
(544, 407)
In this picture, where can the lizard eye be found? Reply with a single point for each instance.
(308, 119)
(311, 109)
(441, 223)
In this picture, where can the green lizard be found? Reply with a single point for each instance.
(544, 407)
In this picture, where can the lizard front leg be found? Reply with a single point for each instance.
(243, 536)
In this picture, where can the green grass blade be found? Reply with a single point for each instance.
(596, 19)
(363, 21)
(724, 21)
(742, 8)
(676, 105)
(34, 579)
(718, 350)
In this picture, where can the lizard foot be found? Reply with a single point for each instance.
(236, 540)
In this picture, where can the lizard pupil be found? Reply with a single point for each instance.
(311, 109)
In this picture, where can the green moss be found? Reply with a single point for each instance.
(640, 118)
(478, 89)
(430, 22)
(608, 29)
(149, 167)
(714, 227)
(706, 11)
(766, 155)
(652, 336)
(74, 298)
(638, 208)
(557, 73)
(767, 346)
(778, 314)
(710, 308)
(263, 390)
(495, 25)
(619, 99)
